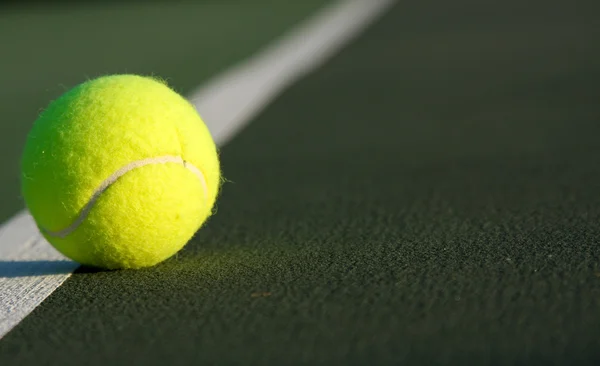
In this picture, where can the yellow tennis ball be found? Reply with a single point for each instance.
(120, 172)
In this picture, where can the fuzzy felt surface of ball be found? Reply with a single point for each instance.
(120, 172)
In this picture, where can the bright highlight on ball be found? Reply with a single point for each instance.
(120, 172)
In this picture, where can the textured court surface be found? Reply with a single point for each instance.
(428, 197)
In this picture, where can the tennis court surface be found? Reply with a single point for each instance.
(428, 194)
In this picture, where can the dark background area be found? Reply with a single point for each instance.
(48, 48)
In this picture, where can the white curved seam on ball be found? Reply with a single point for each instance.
(118, 174)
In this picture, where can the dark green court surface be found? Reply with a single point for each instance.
(431, 196)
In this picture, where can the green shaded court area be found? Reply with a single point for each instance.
(431, 196)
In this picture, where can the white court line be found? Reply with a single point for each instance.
(230, 101)
(30, 269)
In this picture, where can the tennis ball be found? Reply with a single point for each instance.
(119, 172)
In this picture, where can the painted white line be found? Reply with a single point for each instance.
(231, 100)
(30, 268)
